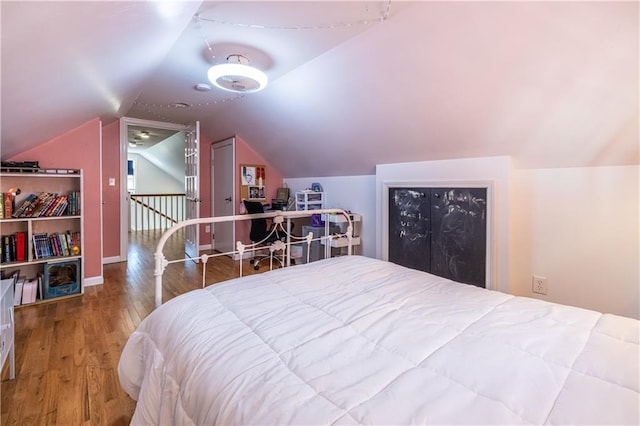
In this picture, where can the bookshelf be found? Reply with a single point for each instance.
(45, 241)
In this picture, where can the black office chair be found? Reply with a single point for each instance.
(260, 231)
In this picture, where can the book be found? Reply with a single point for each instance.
(21, 246)
(25, 205)
(7, 249)
(29, 291)
(43, 205)
(2, 210)
(40, 245)
(17, 293)
(8, 204)
(74, 203)
(54, 206)
(40, 281)
(34, 205)
(60, 206)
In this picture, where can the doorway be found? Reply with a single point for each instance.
(223, 193)
(128, 127)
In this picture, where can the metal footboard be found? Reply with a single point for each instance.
(282, 225)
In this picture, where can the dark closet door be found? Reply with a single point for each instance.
(410, 227)
(440, 230)
(459, 234)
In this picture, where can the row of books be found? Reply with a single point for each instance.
(47, 204)
(56, 244)
(14, 247)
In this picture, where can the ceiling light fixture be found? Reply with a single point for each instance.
(144, 134)
(237, 75)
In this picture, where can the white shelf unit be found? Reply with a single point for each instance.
(7, 329)
(36, 183)
(309, 200)
(341, 221)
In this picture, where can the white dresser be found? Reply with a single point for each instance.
(7, 347)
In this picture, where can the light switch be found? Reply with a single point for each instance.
(112, 181)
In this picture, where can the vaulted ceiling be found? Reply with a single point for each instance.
(352, 84)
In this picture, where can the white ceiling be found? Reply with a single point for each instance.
(352, 84)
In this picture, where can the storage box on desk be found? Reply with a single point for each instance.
(61, 279)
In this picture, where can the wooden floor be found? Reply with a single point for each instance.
(67, 351)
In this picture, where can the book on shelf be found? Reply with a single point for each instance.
(40, 281)
(8, 248)
(42, 206)
(29, 291)
(65, 244)
(74, 203)
(21, 246)
(7, 201)
(39, 245)
(58, 244)
(24, 205)
(47, 204)
(13, 247)
(17, 292)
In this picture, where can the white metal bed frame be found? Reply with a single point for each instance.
(278, 218)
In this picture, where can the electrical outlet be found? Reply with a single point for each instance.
(539, 284)
(207, 228)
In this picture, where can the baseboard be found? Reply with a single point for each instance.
(204, 247)
(112, 259)
(88, 282)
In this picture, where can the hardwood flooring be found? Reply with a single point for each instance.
(67, 351)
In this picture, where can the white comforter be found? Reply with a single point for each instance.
(353, 340)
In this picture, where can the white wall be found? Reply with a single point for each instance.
(355, 193)
(494, 169)
(168, 155)
(579, 227)
(154, 180)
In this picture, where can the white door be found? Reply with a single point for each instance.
(192, 189)
(223, 194)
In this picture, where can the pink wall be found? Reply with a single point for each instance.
(246, 155)
(111, 194)
(83, 148)
(205, 185)
(79, 149)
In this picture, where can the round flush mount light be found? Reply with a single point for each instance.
(237, 76)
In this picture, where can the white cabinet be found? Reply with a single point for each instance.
(45, 242)
(7, 333)
(340, 221)
(309, 200)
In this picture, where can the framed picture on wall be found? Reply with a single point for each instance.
(256, 192)
(253, 182)
(247, 175)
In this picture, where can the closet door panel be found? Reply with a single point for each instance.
(409, 227)
(459, 234)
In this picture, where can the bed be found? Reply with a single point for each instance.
(355, 340)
